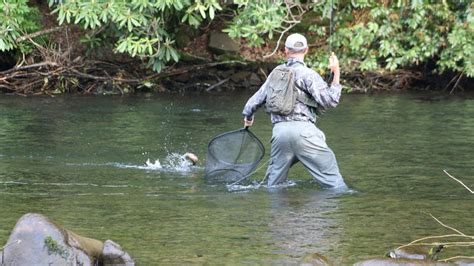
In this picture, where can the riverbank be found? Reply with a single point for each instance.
(103, 77)
(209, 62)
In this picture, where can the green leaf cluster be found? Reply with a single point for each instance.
(369, 35)
(140, 28)
(374, 35)
(405, 34)
(255, 20)
(16, 19)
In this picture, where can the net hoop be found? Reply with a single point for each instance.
(225, 170)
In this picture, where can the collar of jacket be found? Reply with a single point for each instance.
(292, 60)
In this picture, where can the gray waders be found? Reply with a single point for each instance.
(299, 141)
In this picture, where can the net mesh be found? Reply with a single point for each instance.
(232, 156)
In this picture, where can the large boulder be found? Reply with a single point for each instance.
(36, 240)
(414, 255)
(221, 43)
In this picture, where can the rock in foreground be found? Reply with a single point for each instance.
(35, 240)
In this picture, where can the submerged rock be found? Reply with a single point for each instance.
(314, 259)
(36, 240)
(401, 262)
(113, 254)
(415, 255)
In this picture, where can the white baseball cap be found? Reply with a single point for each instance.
(296, 42)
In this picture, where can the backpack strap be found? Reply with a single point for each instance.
(303, 96)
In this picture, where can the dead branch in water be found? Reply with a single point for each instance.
(469, 240)
(459, 181)
(457, 257)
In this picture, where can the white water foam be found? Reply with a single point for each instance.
(256, 185)
(6, 183)
(174, 162)
(155, 165)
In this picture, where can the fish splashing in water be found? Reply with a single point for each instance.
(173, 161)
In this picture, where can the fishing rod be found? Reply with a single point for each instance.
(331, 18)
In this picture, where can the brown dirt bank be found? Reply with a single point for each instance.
(63, 67)
(55, 75)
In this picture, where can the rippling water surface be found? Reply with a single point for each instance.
(111, 168)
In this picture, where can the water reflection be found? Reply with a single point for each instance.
(304, 224)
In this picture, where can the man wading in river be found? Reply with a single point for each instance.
(295, 137)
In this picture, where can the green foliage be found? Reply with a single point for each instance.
(376, 35)
(144, 28)
(369, 35)
(16, 19)
(255, 19)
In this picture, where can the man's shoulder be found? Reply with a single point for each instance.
(306, 72)
(301, 70)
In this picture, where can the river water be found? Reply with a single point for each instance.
(82, 161)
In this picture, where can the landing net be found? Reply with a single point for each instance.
(233, 156)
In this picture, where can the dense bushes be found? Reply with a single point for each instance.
(373, 35)
(369, 35)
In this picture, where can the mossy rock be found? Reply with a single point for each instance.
(36, 240)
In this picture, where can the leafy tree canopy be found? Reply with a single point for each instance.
(375, 35)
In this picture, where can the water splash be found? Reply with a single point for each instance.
(174, 162)
(155, 165)
(243, 188)
(256, 185)
(178, 162)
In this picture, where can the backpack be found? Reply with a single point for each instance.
(282, 92)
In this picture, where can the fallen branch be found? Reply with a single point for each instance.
(217, 84)
(457, 83)
(37, 65)
(459, 234)
(38, 33)
(459, 181)
(457, 257)
(30, 79)
(451, 228)
(101, 78)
